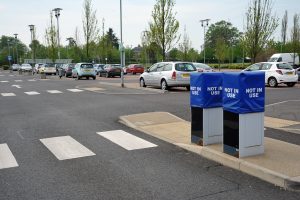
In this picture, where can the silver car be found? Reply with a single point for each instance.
(168, 74)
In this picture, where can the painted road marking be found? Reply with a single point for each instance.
(93, 89)
(126, 140)
(8, 94)
(65, 147)
(7, 159)
(4, 81)
(75, 90)
(18, 80)
(31, 80)
(32, 93)
(54, 91)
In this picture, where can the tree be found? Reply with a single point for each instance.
(164, 27)
(90, 24)
(284, 23)
(12, 43)
(295, 36)
(221, 29)
(221, 48)
(51, 40)
(185, 46)
(261, 24)
(112, 38)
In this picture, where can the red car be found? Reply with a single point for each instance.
(134, 69)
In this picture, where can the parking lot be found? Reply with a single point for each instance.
(37, 115)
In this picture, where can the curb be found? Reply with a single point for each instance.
(278, 179)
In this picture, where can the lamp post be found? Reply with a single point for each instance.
(16, 40)
(121, 47)
(32, 38)
(57, 14)
(144, 42)
(9, 56)
(204, 24)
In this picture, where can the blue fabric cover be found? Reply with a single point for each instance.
(206, 90)
(244, 92)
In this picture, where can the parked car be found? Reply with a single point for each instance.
(98, 68)
(26, 68)
(298, 72)
(168, 74)
(134, 69)
(289, 58)
(84, 70)
(276, 73)
(48, 69)
(203, 67)
(67, 69)
(111, 70)
(37, 67)
(15, 67)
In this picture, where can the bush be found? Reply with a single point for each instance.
(230, 66)
(5, 67)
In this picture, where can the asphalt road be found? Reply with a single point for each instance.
(112, 172)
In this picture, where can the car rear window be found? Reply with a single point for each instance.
(87, 66)
(284, 66)
(186, 67)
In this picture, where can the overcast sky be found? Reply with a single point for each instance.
(16, 15)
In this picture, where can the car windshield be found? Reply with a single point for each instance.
(284, 66)
(186, 67)
(202, 66)
(87, 66)
(49, 65)
(116, 66)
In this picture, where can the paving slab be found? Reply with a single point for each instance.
(280, 163)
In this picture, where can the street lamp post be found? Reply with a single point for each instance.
(57, 14)
(16, 40)
(32, 38)
(121, 47)
(204, 24)
(9, 56)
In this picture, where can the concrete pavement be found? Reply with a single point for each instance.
(280, 164)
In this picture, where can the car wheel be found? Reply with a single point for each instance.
(272, 82)
(77, 77)
(87, 78)
(164, 85)
(94, 78)
(188, 88)
(291, 84)
(142, 83)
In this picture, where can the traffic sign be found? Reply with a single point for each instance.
(9, 57)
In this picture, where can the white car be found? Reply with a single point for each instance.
(201, 67)
(26, 68)
(276, 73)
(168, 74)
(47, 69)
(15, 67)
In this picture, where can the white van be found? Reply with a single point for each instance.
(285, 57)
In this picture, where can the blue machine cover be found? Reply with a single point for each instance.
(206, 90)
(244, 92)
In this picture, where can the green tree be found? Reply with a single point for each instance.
(222, 29)
(112, 38)
(164, 26)
(185, 46)
(295, 36)
(284, 26)
(261, 24)
(90, 24)
(221, 48)
(51, 39)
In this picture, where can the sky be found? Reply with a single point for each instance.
(16, 15)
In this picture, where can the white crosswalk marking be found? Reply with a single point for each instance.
(32, 93)
(75, 90)
(7, 159)
(31, 80)
(65, 147)
(4, 81)
(8, 94)
(54, 91)
(126, 140)
(18, 80)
